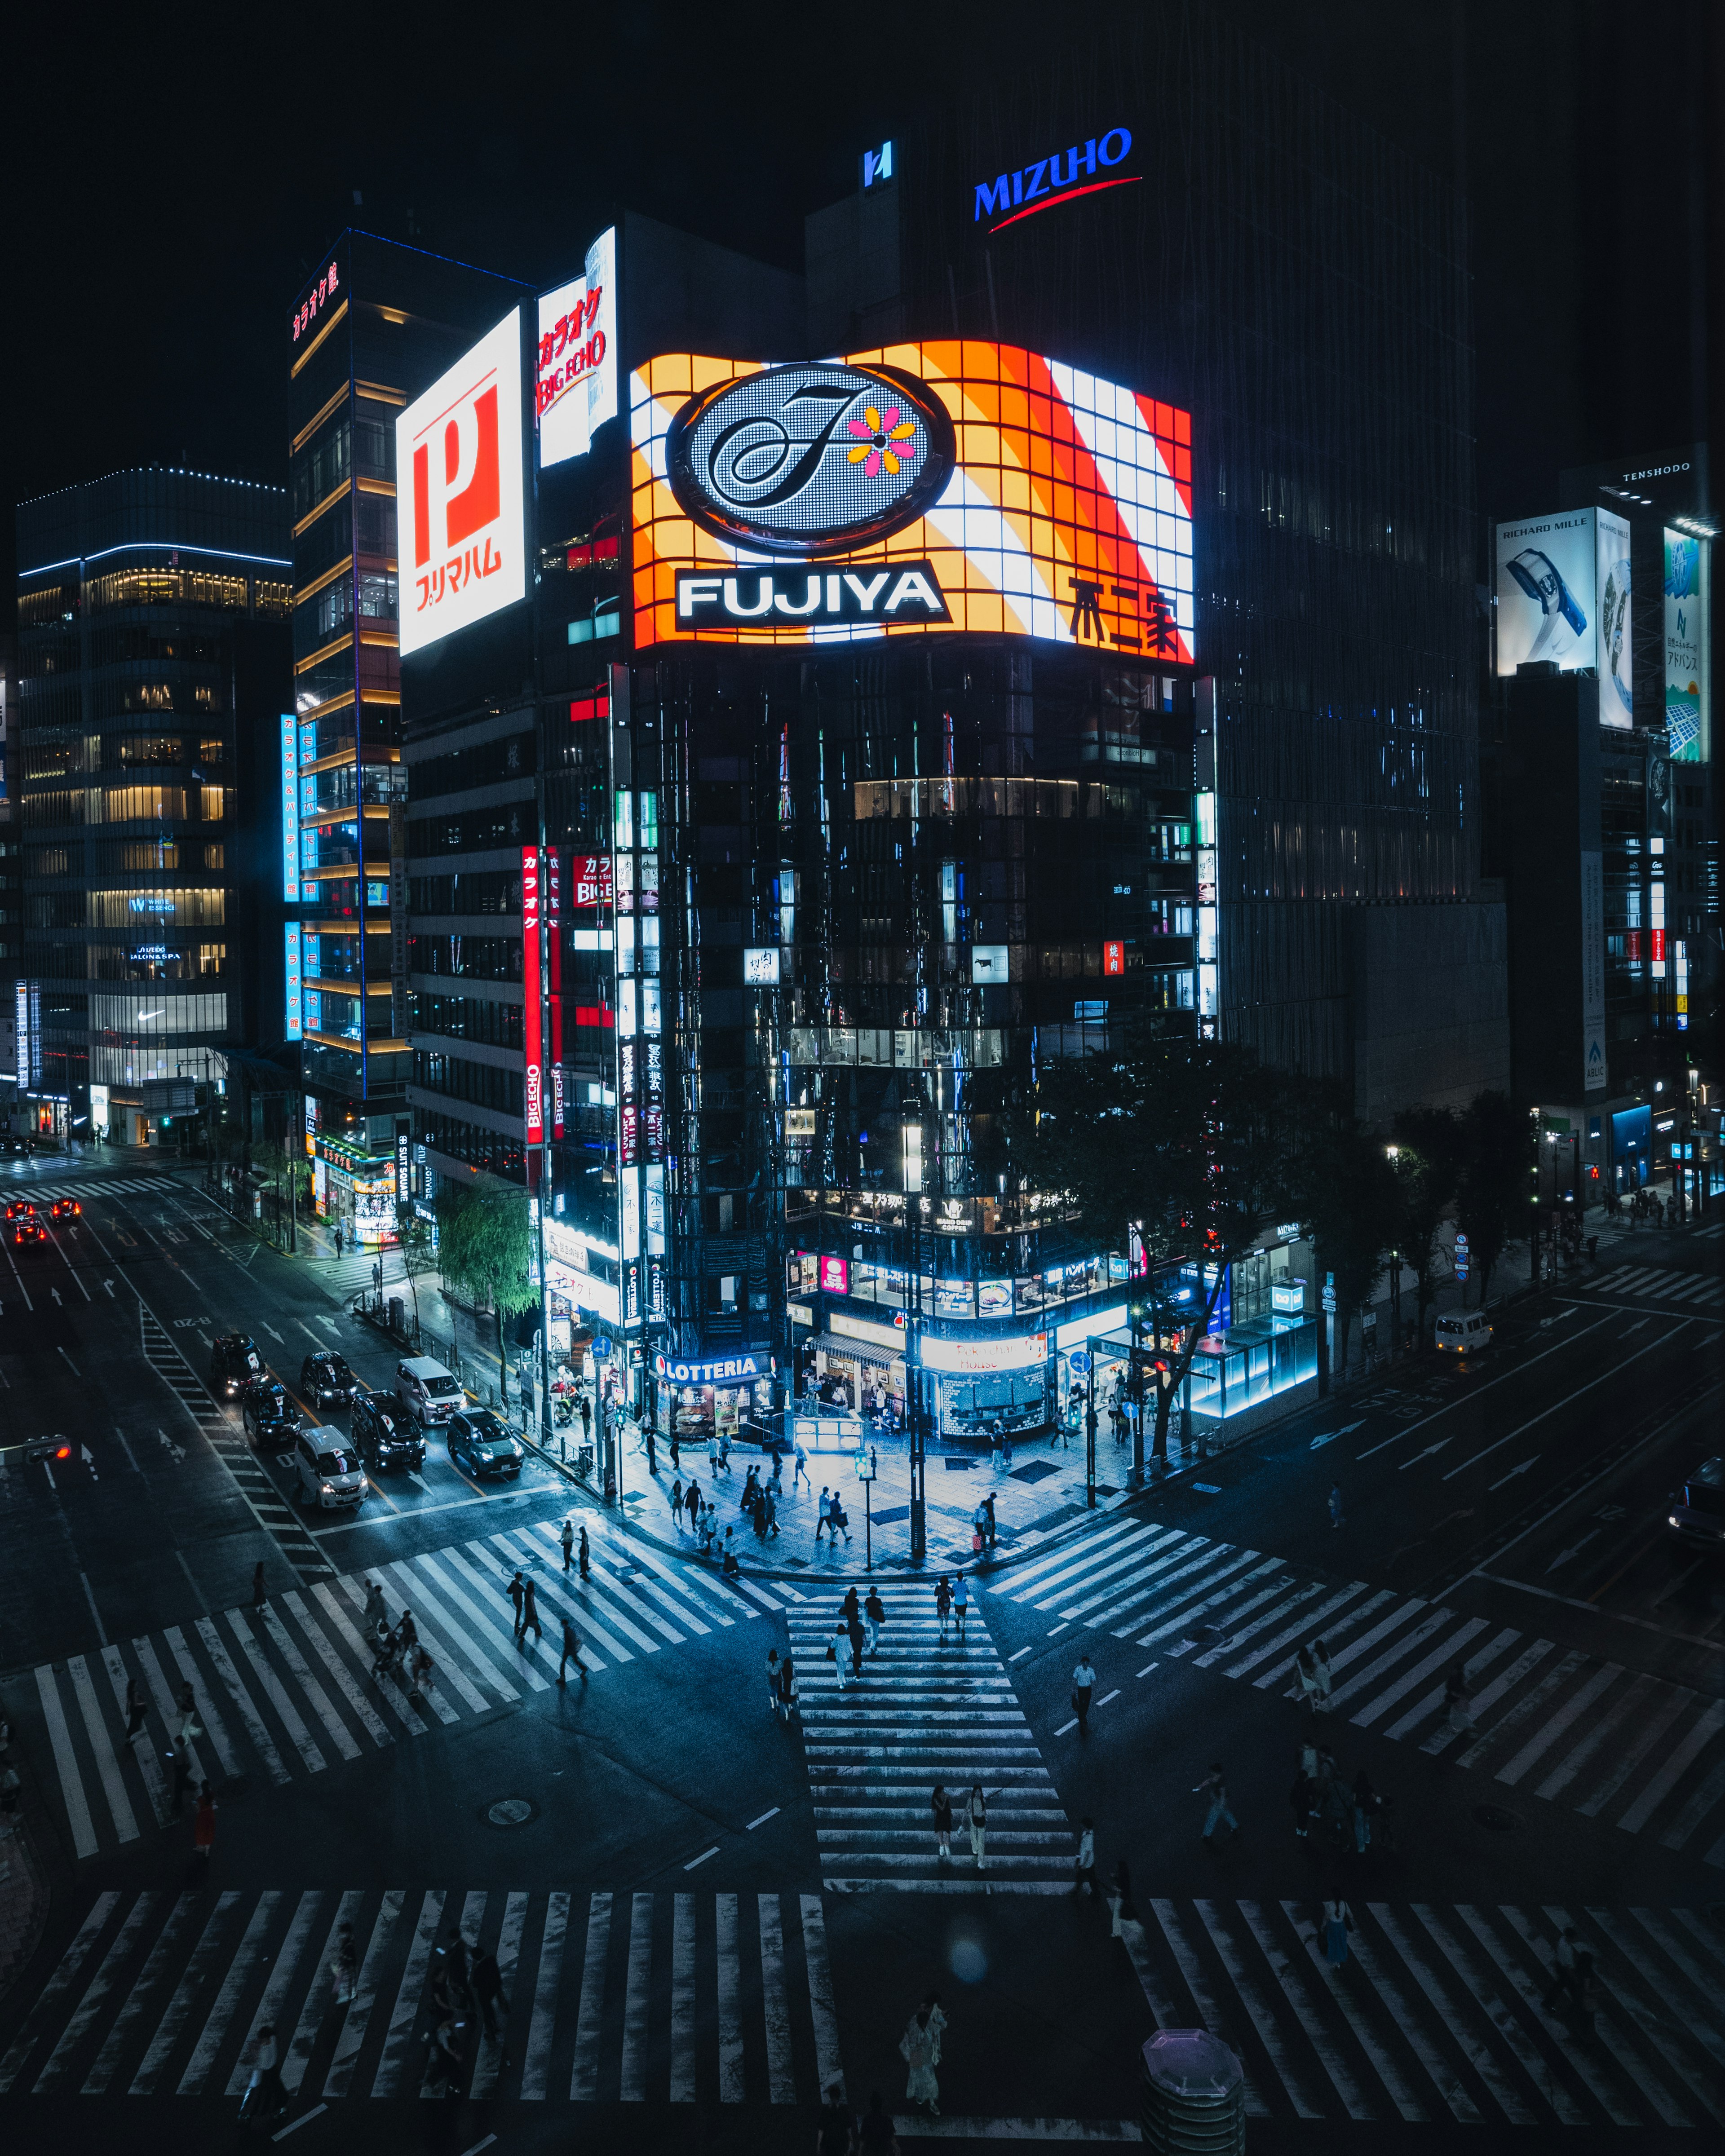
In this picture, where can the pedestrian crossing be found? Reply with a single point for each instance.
(934, 1704)
(286, 1690)
(607, 1997)
(1447, 2013)
(1646, 1755)
(87, 1187)
(1709, 1233)
(1659, 1284)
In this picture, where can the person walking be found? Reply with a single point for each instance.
(1300, 1797)
(800, 1472)
(1325, 1675)
(943, 1605)
(568, 1539)
(826, 1520)
(839, 1654)
(835, 2135)
(919, 2047)
(691, 1499)
(772, 1679)
(1335, 1504)
(750, 1491)
(652, 1450)
(1084, 1683)
(769, 1509)
(488, 1989)
(875, 2134)
(676, 1449)
(203, 1833)
(855, 1633)
(344, 1966)
(530, 1614)
(712, 1457)
(517, 1594)
(586, 1420)
(1122, 1909)
(1215, 1788)
(1458, 1702)
(961, 1603)
(572, 1650)
(258, 1593)
(265, 2099)
(136, 1706)
(851, 1605)
(1084, 1867)
(1304, 1686)
(1338, 1922)
(787, 1689)
(874, 1617)
(976, 1818)
(376, 1616)
(979, 1529)
(1365, 1804)
(941, 1805)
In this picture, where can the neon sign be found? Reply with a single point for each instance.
(1078, 171)
(320, 294)
(290, 807)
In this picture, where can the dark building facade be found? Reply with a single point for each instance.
(152, 662)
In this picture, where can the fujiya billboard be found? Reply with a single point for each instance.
(1563, 599)
(459, 484)
(916, 488)
(576, 387)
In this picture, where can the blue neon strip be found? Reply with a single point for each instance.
(161, 547)
(289, 807)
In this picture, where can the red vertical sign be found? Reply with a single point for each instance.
(531, 990)
(553, 916)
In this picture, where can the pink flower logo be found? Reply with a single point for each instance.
(875, 433)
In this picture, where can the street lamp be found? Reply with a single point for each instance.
(912, 1143)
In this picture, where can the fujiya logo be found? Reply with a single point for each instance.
(1080, 171)
(810, 459)
(759, 598)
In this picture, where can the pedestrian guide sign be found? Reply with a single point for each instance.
(601, 1347)
(1079, 1361)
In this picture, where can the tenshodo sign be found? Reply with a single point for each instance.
(910, 491)
(534, 1089)
(459, 489)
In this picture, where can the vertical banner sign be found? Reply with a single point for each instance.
(401, 1168)
(576, 388)
(22, 1033)
(1593, 973)
(530, 986)
(554, 913)
(1687, 719)
(293, 966)
(289, 809)
(1617, 702)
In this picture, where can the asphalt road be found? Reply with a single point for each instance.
(702, 1914)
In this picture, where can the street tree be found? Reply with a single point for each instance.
(418, 1257)
(1494, 1188)
(1345, 1196)
(1427, 1167)
(483, 1249)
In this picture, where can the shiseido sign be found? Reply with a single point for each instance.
(810, 459)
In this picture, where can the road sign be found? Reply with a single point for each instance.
(1079, 1361)
(601, 1347)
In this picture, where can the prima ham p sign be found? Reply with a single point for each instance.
(459, 492)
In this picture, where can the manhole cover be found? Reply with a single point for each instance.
(512, 1811)
(1495, 1817)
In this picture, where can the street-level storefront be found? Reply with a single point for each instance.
(857, 1367)
(717, 1397)
(981, 1383)
(354, 1190)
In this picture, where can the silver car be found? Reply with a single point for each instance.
(327, 1470)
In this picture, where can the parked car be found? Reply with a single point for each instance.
(482, 1444)
(1698, 1510)
(234, 1362)
(327, 1472)
(384, 1435)
(426, 1389)
(1462, 1333)
(326, 1381)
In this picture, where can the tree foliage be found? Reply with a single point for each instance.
(483, 1246)
(1427, 1167)
(1345, 1195)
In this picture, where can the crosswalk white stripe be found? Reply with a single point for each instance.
(408, 1992)
(1480, 2056)
(178, 2009)
(1700, 1804)
(1524, 1709)
(272, 2007)
(1678, 1953)
(591, 1596)
(1257, 2012)
(718, 1605)
(144, 1649)
(1478, 1986)
(682, 2000)
(394, 1698)
(1532, 1996)
(1438, 2070)
(1650, 1733)
(1499, 1644)
(1334, 1627)
(1699, 1736)
(565, 1596)
(1294, 1990)
(441, 1573)
(1198, 1554)
(830, 2071)
(772, 1603)
(324, 1649)
(308, 1684)
(299, 1736)
(135, 2003)
(65, 1975)
(584, 2073)
(1137, 1549)
(673, 1605)
(464, 1583)
(100, 1985)
(1446, 1650)
(468, 1925)
(1644, 2017)
(1192, 1972)
(780, 2082)
(223, 1663)
(1702, 2027)
(65, 1760)
(644, 1613)
(1226, 1623)
(1550, 1731)
(367, 1984)
(1180, 1624)
(537, 2063)
(1529, 1659)
(434, 1629)
(1025, 1581)
(731, 2089)
(210, 1717)
(296, 2052)
(1307, 1621)
(1344, 1657)
(507, 1951)
(198, 2067)
(148, 1765)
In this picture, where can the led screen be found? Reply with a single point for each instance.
(459, 492)
(1548, 597)
(909, 490)
(576, 370)
(1687, 719)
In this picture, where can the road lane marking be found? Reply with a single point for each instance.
(1463, 1399)
(1616, 1369)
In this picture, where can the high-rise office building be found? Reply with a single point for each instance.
(152, 665)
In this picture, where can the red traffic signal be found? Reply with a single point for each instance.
(63, 1452)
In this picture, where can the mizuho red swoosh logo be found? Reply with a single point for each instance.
(1065, 194)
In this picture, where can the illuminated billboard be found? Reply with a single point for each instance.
(1688, 720)
(290, 807)
(576, 370)
(904, 491)
(1611, 592)
(459, 488)
(1547, 608)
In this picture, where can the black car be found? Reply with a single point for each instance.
(384, 1435)
(234, 1362)
(483, 1443)
(326, 1381)
(264, 1401)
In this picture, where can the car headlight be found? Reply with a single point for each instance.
(1674, 1521)
(329, 1489)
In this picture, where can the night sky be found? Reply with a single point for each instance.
(170, 186)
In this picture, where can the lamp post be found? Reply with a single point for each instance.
(913, 1327)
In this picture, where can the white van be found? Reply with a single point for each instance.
(426, 1389)
(1463, 1332)
(327, 1470)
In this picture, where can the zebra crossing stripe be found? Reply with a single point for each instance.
(1294, 1990)
(1438, 2070)
(272, 2007)
(65, 1975)
(296, 2052)
(308, 1684)
(136, 2001)
(413, 1713)
(563, 1600)
(250, 1718)
(447, 1596)
(584, 2074)
(299, 1736)
(357, 2018)
(1192, 1972)
(1194, 1610)
(53, 1715)
(1703, 2028)
(1529, 1659)
(202, 2061)
(455, 1574)
(1344, 1621)
(468, 1925)
(780, 2080)
(1257, 2012)
(1525, 1709)
(1307, 1623)
(1636, 2014)
(358, 1704)
(1534, 1998)
(149, 1766)
(508, 1954)
(1142, 1545)
(1633, 1752)
(1276, 1587)
(1696, 1809)
(179, 2007)
(535, 2067)
(1207, 1553)
(1479, 2055)
(99, 1985)
(729, 1999)
(1549, 1732)
(1674, 1767)
(1446, 1650)
(431, 1623)
(409, 1992)
(1499, 1645)
(1478, 1986)
(144, 1648)
(829, 2072)
(682, 2004)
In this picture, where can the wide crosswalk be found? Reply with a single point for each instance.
(287, 1690)
(1577, 1729)
(85, 1188)
(1659, 1284)
(607, 1997)
(1445, 2012)
(932, 1705)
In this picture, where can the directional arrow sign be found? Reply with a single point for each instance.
(1426, 1455)
(90, 1462)
(1574, 1550)
(274, 1334)
(55, 1293)
(1346, 1430)
(1513, 1472)
(1558, 1320)
(109, 1285)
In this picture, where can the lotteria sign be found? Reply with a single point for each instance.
(1087, 168)
(904, 491)
(734, 1370)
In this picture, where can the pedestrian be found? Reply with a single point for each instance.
(1120, 1908)
(1300, 1797)
(724, 1450)
(652, 1451)
(1325, 1675)
(851, 1605)
(961, 1603)
(265, 2097)
(728, 1564)
(991, 1532)
(203, 1832)
(258, 1596)
(1458, 1702)
(943, 1605)
(572, 1649)
(517, 1594)
(772, 1679)
(530, 1614)
(839, 1654)
(488, 1989)
(1335, 1504)
(854, 1632)
(338, 1239)
(758, 1515)
(787, 1689)
(586, 1420)
(1338, 1922)
(836, 2130)
(568, 1539)
(1084, 1868)
(769, 1508)
(1562, 1974)
(976, 1818)
(841, 1518)
(136, 1706)
(344, 1966)
(452, 1965)
(1365, 1804)
(422, 1674)
(874, 2136)
(874, 1617)
(445, 2058)
(942, 1808)
(1084, 1683)
(712, 1455)
(1305, 1679)
(376, 1616)
(979, 1529)
(826, 1519)
(801, 1472)
(691, 1499)
(919, 2047)
(1216, 1791)
(750, 1489)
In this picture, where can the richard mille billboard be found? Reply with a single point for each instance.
(916, 488)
